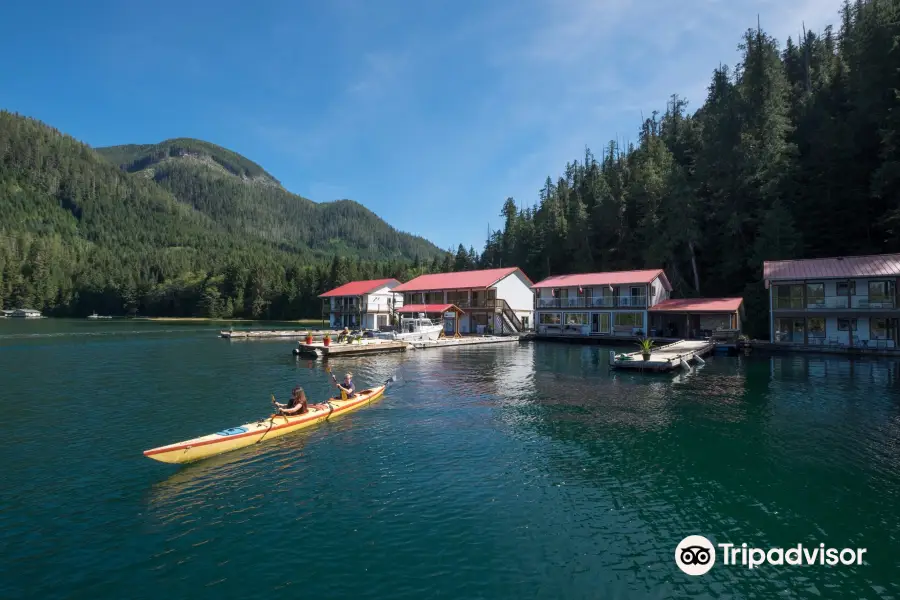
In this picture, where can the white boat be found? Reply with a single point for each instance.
(414, 329)
(96, 316)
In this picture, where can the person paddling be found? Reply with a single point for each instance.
(297, 405)
(347, 388)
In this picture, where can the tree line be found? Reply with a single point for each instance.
(793, 154)
(78, 235)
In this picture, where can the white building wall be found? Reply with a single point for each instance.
(658, 292)
(515, 290)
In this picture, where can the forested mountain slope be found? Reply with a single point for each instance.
(78, 234)
(240, 196)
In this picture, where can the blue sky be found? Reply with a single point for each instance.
(429, 113)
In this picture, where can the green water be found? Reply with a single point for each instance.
(527, 471)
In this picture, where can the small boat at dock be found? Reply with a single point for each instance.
(420, 329)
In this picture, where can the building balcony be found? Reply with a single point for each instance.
(343, 308)
(481, 304)
(822, 303)
(602, 302)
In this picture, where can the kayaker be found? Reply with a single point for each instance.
(347, 388)
(297, 405)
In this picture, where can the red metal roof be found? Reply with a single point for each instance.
(461, 280)
(609, 278)
(428, 308)
(728, 305)
(357, 288)
(875, 265)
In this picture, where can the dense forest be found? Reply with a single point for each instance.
(195, 231)
(794, 154)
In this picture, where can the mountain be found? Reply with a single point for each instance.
(245, 200)
(186, 228)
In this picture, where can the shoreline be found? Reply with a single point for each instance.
(211, 320)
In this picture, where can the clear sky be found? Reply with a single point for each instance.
(430, 113)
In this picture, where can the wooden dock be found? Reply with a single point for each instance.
(364, 346)
(664, 358)
(372, 346)
(464, 341)
(247, 334)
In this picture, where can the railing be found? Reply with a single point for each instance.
(345, 307)
(509, 314)
(835, 302)
(601, 302)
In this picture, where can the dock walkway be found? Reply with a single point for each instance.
(663, 358)
(294, 333)
(464, 341)
(372, 346)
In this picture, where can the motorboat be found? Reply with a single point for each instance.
(414, 329)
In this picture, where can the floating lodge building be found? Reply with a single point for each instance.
(497, 301)
(848, 303)
(363, 304)
(841, 302)
(628, 304)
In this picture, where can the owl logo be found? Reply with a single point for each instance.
(695, 555)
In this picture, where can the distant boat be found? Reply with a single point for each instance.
(96, 316)
(25, 313)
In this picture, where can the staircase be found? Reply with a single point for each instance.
(509, 319)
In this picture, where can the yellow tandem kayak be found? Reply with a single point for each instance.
(265, 429)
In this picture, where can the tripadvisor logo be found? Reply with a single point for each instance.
(696, 555)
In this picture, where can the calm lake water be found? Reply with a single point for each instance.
(527, 471)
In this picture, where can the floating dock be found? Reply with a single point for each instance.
(372, 346)
(664, 358)
(269, 334)
(464, 341)
(364, 346)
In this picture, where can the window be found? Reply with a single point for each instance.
(878, 329)
(549, 319)
(843, 286)
(457, 297)
(434, 298)
(815, 294)
(789, 296)
(576, 318)
(784, 329)
(815, 327)
(846, 324)
(881, 291)
(629, 319)
(603, 296)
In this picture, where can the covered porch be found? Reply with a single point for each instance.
(696, 318)
(450, 314)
